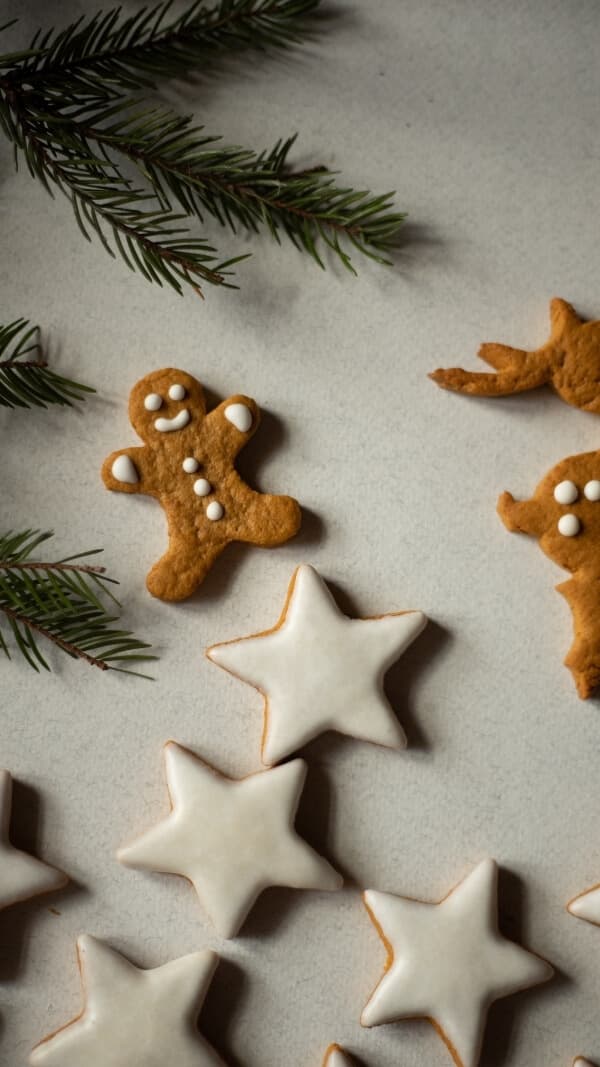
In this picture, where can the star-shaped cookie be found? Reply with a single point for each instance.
(587, 905)
(231, 838)
(21, 876)
(582, 1062)
(336, 1057)
(319, 670)
(447, 962)
(187, 463)
(133, 1017)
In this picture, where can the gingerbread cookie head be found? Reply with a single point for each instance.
(166, 402)
(187, 464)
(563, 514)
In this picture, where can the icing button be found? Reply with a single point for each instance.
(566, 493)
(240, 416)
(203, 488)
(569, 525)
(177, 392)
(190, 465)
(592, 490)
(153, 402)
(215, 511)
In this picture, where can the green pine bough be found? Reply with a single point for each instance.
(62, 602)
(71, 105)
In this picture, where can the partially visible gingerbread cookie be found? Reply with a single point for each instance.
(569, 362)
(564, 515)
(187, 464)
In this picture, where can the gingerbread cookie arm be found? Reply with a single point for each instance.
(265, 519)
(563, 317)
(583, 657)
(233, 423)
(521, 371)
(521, 516)
(127, 471)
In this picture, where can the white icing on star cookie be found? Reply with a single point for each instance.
(231, 838)
(239, 416)
(336, 1057)
(21, 876)
(124, 470)
(176, 423)
(133, 1017)
(587, 905)
(448, 962)
(580, 1061)
(319, 670)
(214, 511)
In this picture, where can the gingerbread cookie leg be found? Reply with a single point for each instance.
(583, 657)
(183, 567)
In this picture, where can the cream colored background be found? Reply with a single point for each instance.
(485, 118)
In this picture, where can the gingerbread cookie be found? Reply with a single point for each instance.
(447, 962)
(21, 876)
(336, 1057)
(564, 515)
(231, 838)
(133, 1017)
(187, 464)
(319, 670)
(569, 362)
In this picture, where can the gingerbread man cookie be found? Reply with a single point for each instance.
(569, 362)
(187, 464)
(564, 515)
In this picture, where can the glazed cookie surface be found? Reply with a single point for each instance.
(336, 1057)
(569, 362)
(232, 838)
(319, 670)
(447, 962)
(564, 515)
(133, 1017)
(21, 876)
(187, 464)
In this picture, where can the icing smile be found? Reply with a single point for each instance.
(176, 423)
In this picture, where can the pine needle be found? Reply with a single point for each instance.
(28, 382)
(62, 602)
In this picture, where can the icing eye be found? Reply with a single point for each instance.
(566, 493)
(190, 465)
(176, 392)
(215, 511)
(202, 488)
(592, 490)
(569, 525)
(153, 402)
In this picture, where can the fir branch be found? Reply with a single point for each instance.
(27, 383)
(61, 105)
(62, 602)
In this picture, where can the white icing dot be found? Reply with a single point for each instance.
(240, 416)
(124, 470)
(215, 511)
(569, 525)
(203, 488)
(177, 392)
(190, 465)
(152, 402)
(592, 490)
(566, 493)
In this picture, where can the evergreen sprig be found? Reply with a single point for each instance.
(28, 382)
(61, 602)
(62, 105)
